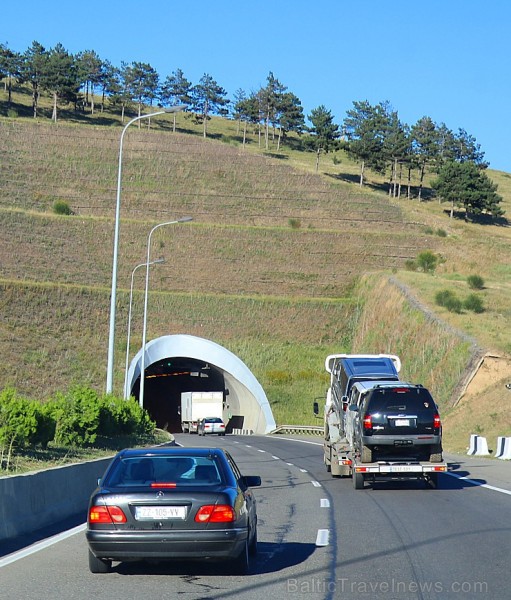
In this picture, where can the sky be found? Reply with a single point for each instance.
(446, 59)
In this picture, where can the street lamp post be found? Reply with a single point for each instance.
(113, 294)
(153, 262)
(144, 330)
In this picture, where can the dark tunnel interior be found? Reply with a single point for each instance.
(167, 379)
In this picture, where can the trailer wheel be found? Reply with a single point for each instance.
(358, 480)
(366, 456)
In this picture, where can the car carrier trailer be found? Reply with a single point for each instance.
(341, 456)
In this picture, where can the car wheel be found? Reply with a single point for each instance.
(366, 456)
(252, 548)
(99, 565)
(358, 481)
(241, 563)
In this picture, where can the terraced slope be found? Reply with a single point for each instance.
(259, 227)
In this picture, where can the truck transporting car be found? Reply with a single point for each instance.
(376, 426)
(199, 405)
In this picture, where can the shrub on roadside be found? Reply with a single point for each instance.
(449, 300)
(427, 261)
(474, 303)
(62, 208)
(475, 282)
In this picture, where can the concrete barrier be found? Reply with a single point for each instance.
(478, 446)
(35, 500)
(503, 448)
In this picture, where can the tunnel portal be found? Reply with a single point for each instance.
(184, 363)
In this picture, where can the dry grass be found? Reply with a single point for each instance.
(272, 250)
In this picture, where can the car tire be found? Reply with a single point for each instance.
(358, 481)
(366, 455)
(252, 547)
(99, 565)
(241, 563)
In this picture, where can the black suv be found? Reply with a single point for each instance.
(394, 421)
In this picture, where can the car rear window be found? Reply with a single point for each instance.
(400, 400)
(147, 470)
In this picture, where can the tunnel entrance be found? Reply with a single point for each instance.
(167, 379)
(185, 363)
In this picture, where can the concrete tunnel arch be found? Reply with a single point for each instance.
(246, 405)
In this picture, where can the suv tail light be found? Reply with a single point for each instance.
(215, 513)
(367, 423)
(106, 514)
(436, 421)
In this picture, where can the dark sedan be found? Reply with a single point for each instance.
(173, 503)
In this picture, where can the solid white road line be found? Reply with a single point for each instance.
(10, 558)
(478, 483)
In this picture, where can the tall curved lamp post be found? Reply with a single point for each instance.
(153, 262)
(144, 331)
(113, 294)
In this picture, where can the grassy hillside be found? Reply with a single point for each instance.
(268, 267)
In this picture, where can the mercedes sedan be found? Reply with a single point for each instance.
(173, 503)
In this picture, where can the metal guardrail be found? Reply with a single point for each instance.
(307, 429)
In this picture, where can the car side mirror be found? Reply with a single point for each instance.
(251, 480)
(353, 407)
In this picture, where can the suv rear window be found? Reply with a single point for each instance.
(399, 399)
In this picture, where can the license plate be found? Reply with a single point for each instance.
(402, 422)
(159, 512)
(397, 469)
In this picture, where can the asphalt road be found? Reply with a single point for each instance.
(318, 538)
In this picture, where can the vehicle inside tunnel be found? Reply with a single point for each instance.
(168, 378)
(183, 372)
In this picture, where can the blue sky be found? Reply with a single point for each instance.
(447, 59)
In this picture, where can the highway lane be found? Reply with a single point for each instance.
(396, 540)
(291, 521)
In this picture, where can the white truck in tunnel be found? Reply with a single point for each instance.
(199, 405)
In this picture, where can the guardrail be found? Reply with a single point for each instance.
(305, 429)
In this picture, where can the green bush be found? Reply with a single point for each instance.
(475, 282)
(443, 297)
(410, 265)
(77, 416)
(454, 305)
(62, 208)
(123, 417)
(427, 261)
(46, 425)
(449, 300)
(18, 423)
(474, 303)
(295, 223)
(441, 233)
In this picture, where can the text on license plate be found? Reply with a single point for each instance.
(160, 512)
(399, 469)
(402, 422)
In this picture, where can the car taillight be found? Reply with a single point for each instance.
(436, 421)
(106, 514)
(215, 513)
(368, 422)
